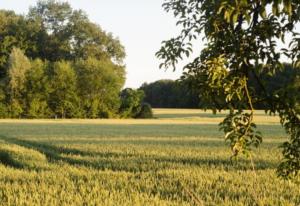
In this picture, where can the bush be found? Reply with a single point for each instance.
(146, 112)
(131, 102)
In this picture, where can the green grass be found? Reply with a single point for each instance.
(137, 162)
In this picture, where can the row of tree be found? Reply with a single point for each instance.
(54, 62)
(41, 89)
(187, 94)
(170, 94)
(81, 89)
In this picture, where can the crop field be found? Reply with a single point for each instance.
(177, 158)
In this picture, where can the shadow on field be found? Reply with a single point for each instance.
(51, 152)
(117, 161)
(7, 160)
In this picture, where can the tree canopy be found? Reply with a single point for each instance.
(242, 41)
(55, 62)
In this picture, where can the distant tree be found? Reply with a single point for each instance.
(275, 84)
(63, 99)
(67, 34)
(71, 56)
(131, 103)
(37, 90)
(99, 84)
(170, 94)
(19, 64)
(53, 34)
(12, 35)
(146, 112)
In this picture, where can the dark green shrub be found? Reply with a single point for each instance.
(146, 112)
(131, 102)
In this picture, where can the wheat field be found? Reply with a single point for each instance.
(177, 158)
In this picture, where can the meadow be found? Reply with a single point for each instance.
(177, 158)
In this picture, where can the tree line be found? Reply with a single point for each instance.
(186, 93)
(170, 94)
(56, 63)
(42, 89)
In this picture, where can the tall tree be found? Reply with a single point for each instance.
(99, 84)
(63, 99)
(12, 35)
(54, 34)
(170, 94)
(19, 64)
(37, 90)
(242, 41)
(67, 34)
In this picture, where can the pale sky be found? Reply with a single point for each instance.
(141, 26)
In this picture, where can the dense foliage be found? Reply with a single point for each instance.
(146, 111)
(287, 79)
(183, 94)
(242, 39)
(170, 94)
(131, 103)
(54, 62)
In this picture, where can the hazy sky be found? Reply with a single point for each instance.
(141, 25)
